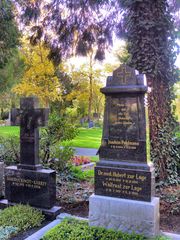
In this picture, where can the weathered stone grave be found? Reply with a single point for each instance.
(28, 182)
(124, 178)
(1, 178)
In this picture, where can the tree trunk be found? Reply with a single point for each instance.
(90, 87)
(160, 118)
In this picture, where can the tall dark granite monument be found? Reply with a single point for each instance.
(124, 177)
(28, 182)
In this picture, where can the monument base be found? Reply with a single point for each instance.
(36, 188)
(50, 214)
(125, 215)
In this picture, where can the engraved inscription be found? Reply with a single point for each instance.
(123, 123)
(28, 183)
(121, 183)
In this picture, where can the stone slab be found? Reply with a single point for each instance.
(36, 188)
(125, 215)
(1, 178)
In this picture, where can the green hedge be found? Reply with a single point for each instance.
(72, 229)
(20, 217)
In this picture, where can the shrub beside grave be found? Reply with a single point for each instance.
(7, 232)
(77, 229)
(58, 130)
(9, 150)
(17, 219)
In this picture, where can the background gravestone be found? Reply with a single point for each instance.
(1, 178)
(123, 171)
(28, 182)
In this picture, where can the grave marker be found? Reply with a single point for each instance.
(28, 182)
(123, 171)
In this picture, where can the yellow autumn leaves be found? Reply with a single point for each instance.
(39, 76)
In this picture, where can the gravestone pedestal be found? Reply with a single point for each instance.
(36, 188)
(1, 178)
(125, 215)
(124, 176)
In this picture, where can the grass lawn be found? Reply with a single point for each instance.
(6, 131)
(87, 138)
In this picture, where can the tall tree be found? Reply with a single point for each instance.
(39, 77)
(149, 29)
(151, 43)
(8, 32)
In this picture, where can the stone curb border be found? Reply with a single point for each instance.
(39, 234)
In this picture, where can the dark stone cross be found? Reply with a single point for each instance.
(29, 117)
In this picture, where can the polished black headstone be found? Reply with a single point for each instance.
(29, 183)
(123, 146)
(29, 117)
(36, 188)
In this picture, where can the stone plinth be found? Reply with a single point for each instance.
(1, 178)
(36, 188)
(125, 215)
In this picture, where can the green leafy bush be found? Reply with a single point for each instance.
(60, 157)
(10, 150)
(7, 232)
(79, 230)
(73, 229)
(80, 175)
(58, 130)
(22, 217)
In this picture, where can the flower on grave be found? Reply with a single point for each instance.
(80, 160)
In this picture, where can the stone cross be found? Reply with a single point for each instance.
(123, 74)
(29, 117)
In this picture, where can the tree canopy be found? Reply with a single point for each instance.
(8, 32)
(39, 77)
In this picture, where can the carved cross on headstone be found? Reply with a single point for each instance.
(123, 74)
(29, 117)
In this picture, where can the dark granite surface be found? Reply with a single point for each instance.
(29, 117)
(123, 145)
(123, 183)
(29, 183)
(37, 188)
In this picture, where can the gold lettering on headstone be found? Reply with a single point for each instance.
(129, 184)
(21, 182)
(125, 144)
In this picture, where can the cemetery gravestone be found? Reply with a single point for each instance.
(1, 178)
(28, 182)
(124, 179)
